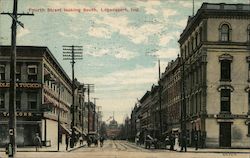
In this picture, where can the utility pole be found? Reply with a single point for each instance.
(183, 110)
(72, 53)
(90, 88)
(12, 90)
(160, 91)
(98, 117)
(94, 112)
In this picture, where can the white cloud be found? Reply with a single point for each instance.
(98, 53)
(186, 4)
(166, 53)
(165, 39)
(169, 12)
(99, 32)
(121, 25)
(124, 54)
(182, 23)
(151, 11)
(67, 35)
(140, 75)
(22, 32)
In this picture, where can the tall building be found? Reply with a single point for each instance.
(44, 96)
(216, 56)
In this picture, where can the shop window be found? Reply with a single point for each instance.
(225, 100)
(32, 101)
(32, 73)
(225, 70)
(2, 101)
(2, 72)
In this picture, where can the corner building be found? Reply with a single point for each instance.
(215, 52)
(43, 93)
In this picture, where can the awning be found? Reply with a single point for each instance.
(66, 129)
(78, 131)
(175, 129)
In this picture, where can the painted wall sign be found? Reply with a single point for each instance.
(22, 85)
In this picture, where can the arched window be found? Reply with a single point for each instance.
(224, 32)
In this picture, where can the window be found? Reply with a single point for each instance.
(225, 100)
(249, 71)
(2, 72)
(248, 125)
(248, 33)
(249, 102)
(196, 39)
(225, 70)
(18, 101)
(32, 72)
(2, 102)
(200, 35)
(18, 72)
(224, 31)
(32, 101)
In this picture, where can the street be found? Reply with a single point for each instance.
(123, 149)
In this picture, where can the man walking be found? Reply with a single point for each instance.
(37, 141)
(67, 141)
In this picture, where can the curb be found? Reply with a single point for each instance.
(73, 149)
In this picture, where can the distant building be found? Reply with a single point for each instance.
(113, 129)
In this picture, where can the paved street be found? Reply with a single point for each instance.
(123, 149)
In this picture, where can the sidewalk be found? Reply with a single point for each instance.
(204, 150)
(47, 149)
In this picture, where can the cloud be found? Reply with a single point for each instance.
(99, 32)
(182, 23)
(168, 53)
(186, 4)
(165, 39)
(137, 76)
(121, 25)
(98, 53)
(151, 11)
(67, 35)
(169, 12)
(22, 32)
(124, 54)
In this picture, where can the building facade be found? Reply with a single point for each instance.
(215, 53)
(44, 97)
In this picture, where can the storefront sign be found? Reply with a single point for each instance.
(18, 114)
(22, 85)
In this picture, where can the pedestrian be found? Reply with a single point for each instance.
(172, 141)
(67, 142)
(101, 141)
(196, 140)
(37, 142)
(81, 140)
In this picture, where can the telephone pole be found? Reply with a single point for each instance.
(72, 53)
(94, 112)
(12, 90)
(160, 93)
(90, 88)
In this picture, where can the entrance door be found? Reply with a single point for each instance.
(225, 134)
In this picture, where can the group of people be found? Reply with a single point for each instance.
(94, 140)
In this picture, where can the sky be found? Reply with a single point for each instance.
(122, 41)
